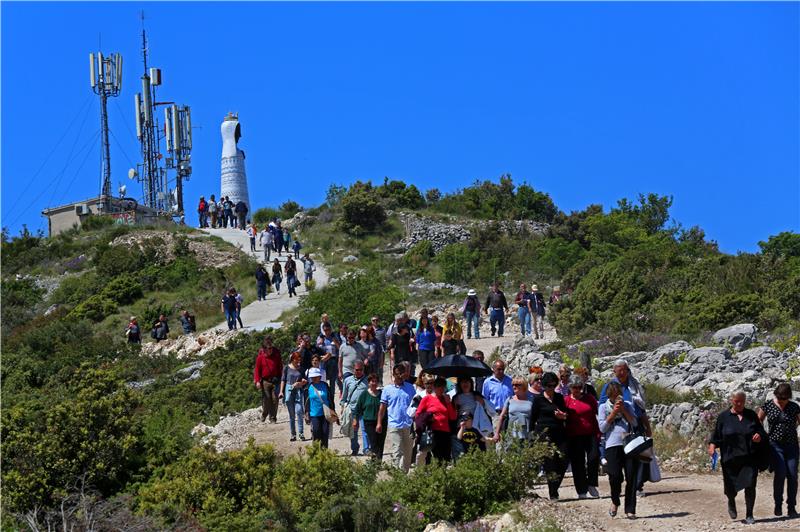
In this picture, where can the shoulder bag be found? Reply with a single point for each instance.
(330, 415)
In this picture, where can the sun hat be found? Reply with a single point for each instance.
(472, 292)
(534, 287)
(314, 372)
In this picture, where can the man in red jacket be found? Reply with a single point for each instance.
(267, 377)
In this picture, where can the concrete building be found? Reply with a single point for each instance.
(124, 211)
(233, 177)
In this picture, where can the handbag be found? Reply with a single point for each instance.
(655, 471)
(426, 440)
(637, 444)
(330, 415)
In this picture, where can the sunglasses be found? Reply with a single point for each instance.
(516, 385)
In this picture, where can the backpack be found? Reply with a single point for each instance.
(192, 323)
(470, 305)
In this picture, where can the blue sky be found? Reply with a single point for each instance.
(588, 102)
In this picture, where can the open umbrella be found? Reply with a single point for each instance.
(458, 366)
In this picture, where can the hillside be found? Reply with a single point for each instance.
(85, 412)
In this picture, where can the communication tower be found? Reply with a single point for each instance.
(177, 132)
(106, 79)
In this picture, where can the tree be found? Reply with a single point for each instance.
(361, 212)
(335, 194)
(785, 244)
(432, 196)
(651, 213)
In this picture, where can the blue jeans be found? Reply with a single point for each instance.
(320, 430)
(784, 462)
(294, 402)
(354, 439)
(230, 317)
(262, 291)
(364, 435)
(497, 319)
(524, 320)
(472, 320)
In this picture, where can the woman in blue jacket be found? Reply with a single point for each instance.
(426, 341)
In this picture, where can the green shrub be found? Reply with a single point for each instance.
(216, 488)
(417, 259)
(123, 289)
(361, 212)
(96, 308)
(76, 289)
(19, 300)
(456, 263)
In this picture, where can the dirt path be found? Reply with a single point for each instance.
(691, 502)
(260, 315)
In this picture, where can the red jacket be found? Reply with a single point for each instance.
(442, 414)
(268, 364)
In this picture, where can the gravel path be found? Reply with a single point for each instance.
(260, 315)
(691, 502)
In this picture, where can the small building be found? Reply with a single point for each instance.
(124, 211)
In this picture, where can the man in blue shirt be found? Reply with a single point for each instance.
(395, 400)
(497, 388)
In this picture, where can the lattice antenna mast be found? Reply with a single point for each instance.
(106, 80)
(150, 174)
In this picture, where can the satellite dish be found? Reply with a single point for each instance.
(122, 190)
(132, 173)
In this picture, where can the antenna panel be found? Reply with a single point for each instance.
(138, 102)
(147, 110)
(92, 76)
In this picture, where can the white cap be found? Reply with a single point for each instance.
(314, 372)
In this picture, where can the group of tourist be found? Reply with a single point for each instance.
(160, 329)
(222, 213)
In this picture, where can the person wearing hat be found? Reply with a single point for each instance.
(536, 308)
(471, 309)
(468, 436)
(318, 398)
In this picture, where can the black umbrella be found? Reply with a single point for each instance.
(458, 366)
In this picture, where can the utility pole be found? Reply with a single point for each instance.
(106, 80)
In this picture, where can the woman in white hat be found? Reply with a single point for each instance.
(319, 408)
(471, 309)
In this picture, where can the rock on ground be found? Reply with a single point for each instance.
(164, 244)
(739, 336)
(190, 345)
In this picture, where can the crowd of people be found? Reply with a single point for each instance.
(221, 214)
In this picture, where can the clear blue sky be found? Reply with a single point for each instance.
(588, 102)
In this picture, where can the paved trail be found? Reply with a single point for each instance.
(260, 315)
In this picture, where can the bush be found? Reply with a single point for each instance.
(123, 289)
(19, 300)
(417, 259)
(96, 308)
(76, 289)
(361, 212)
(456, 263)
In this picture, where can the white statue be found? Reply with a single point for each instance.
(234, 179)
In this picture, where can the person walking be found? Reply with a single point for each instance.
(548, 419)
(240, 209)
(160, 330)
(201, 211)
(291, 276)
(308, 266)
(496, 307)
(426, 342)
(366, 412)
(239, 301)
(187, 322)
(278, 234)
(739, 436)
(252, 232)
(293, 384)
(497, 388)
(267, 377)
(395, 400)
(536, 308)
(228, 210)
(582, 434)
(317, 400)
(266, 241)
(132, 332)
(514, 421)
(783, 416)
(212, 211)
(287, 240)
(276, 276)
(616, 420)
(229, 308)
(523, 310)
(262, 280)
(440, 406)
(296, 248)
(330, 344)
(471, 310)
(452, 326)
(401, 346)
(355, 385)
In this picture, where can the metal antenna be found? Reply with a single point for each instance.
(177, 132)
(106, 80)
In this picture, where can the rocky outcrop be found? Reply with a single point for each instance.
(163, 244)
(190, 345)
(738, 337)
(441, 234)
(231, 430)
(298, 221)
